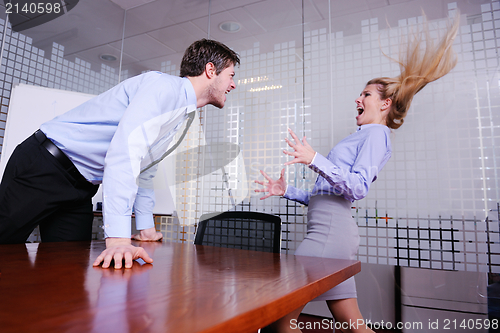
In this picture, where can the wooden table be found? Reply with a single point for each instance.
(52, 287)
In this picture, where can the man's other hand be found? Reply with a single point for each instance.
(148, 235)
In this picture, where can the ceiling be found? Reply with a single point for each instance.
(160, 30)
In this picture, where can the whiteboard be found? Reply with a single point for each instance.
(30, 106)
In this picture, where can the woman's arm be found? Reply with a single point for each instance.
(352, 182)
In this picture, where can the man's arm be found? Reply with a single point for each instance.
(143, 207)
(121, 179)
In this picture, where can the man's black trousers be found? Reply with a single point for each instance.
(36, 189)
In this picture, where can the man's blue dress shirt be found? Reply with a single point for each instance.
(114, 136)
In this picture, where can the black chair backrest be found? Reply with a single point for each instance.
(240, 230)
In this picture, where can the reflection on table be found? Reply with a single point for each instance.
(189, 288)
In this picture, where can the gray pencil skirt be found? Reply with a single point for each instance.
(331, 233)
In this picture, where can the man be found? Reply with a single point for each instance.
(115, 139)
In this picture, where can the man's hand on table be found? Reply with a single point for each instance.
(148, 235)
(121, 249)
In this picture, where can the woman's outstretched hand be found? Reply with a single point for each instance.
(273, 187)
(303, 152)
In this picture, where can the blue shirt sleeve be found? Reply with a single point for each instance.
(298, 195)
(353, 183)
(145, 200)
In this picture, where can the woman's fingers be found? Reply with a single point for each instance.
(295, 160)
(294, 136)
(304, 140)
(265, 176)
(266, 196)
(290, 143)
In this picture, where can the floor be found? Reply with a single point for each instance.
(314, 324)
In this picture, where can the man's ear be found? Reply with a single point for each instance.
(210, 70)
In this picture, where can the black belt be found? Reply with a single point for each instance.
(59, 155)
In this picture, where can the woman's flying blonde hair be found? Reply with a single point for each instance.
(422, 63)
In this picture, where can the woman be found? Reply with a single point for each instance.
(352, 165)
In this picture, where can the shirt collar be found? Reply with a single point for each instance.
(369, 125)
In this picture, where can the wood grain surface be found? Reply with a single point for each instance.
(52, 287)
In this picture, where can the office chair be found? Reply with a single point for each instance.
(240, 230)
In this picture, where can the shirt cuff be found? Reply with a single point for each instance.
(312, 161)
(145, 221)
(117, 226)
(320, 163)
(286, 189)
